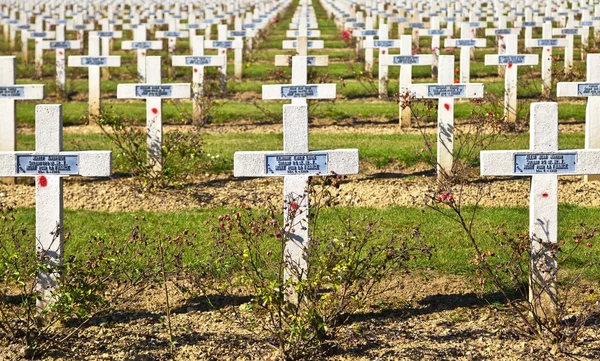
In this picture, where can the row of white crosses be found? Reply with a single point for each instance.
(296, 163)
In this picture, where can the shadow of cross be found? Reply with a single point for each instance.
(296, 163)
(543, 162)
(446, 91)
(49, 164)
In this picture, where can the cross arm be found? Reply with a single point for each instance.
(577, 89)
(312, 44)
(573, 31)
(145, 91)
(86, 61)
(183, 60)
(171, 34)
(309, 91)
(69, 44)
(314, 60)
(535, 43)
(451, 43)
(152, 45)
(500, 32)
(86, 164)
(22, 91)
(511, 162)
(394, 44)
(527, 59)
(324, 162)
(435, 91)
(107, 34)
(223, 44)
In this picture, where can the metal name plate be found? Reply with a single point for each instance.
(590, 89)
(222, 44)
(595, 18)
(401, 20)
(309, 44)
(502, 31)
(475, 25)
(172, 34)
(436, 32)
(359, 25)
(159, 21)
(465, 42)
(257, 21)
(60, 45)
(249, 26)
(37, 35)
(48, 164)
(446, 91)
(141, 45)
(547, 42)
(545, 163)
(569, 31)
(299, 91)
(238, 33)
(153, 91)
(12, 92)
(406, 59)
(548, 18)
(511, 59)
(192, 26)
(198, 60)
(450, 20)
(296, 164)
(106, 34)
(586, 23)
(23, 27)
(369, 32)
(79, 27)
(311, 60)
(416, 25)
(93, 61)
(529, 24)
(383, 43)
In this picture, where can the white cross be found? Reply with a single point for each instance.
(590, 89)
(384, 45)
(500, 32)
(171, 37)
(435, 32)
(153, 91)
(141, 45)
(93, 62)
(296, 163)
(222, 45)
(198, 61)
(569, 34)
(547, 43)
(9, 93)
(543, 162)
(61, 45)
(466, 42)
(511, 60)
(446, 91)
(106, 37)
(405, 60)
(49, 164)
(39, 51)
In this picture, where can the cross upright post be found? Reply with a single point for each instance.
(49, 164)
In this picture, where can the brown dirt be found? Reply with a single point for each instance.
(426, 317)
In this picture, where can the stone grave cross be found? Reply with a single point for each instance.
(153, 91)
(198, 61)
(296, 163)
(9, 92)
(591, 90)
(406, 60)
(446, 91)
(384, 45)
(569, 34)
(49, 164)
(141, 45)
(222, 45)
(465, 43)
(547, 43)
(511, 60)
(543, 162)
(106, 37)
(61, 45)
(94, 62)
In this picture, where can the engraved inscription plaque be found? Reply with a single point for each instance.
(93, 61)
(446, 91)
(296, 164)
(47, 164)
(406, 59)
(106, 34)
(590, 89)
(369, 33)
(12, 92)
(311, 60)
(238, 33)
(547, 42)
(299, 91)
(383, 43)
(153, 91)
(511, 59)
(60, 45)
(502, 31)
(436, 32)
(172, 34)
(222, 44)
(37, 35)
(469, 42)
(198, 60)
(545, 163)
(568, 31)
(141, 45)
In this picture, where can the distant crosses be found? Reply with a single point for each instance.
(49, 164)
(198, 61)
(9, 92)
(446, 91)
(465, 43)
(222, 45)
(591, 90)
(153, 91)
(61, 45)
(93, 62)
(543, 162)
(141, 45)
(511, 60)
(547, 43)
(406, 61)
